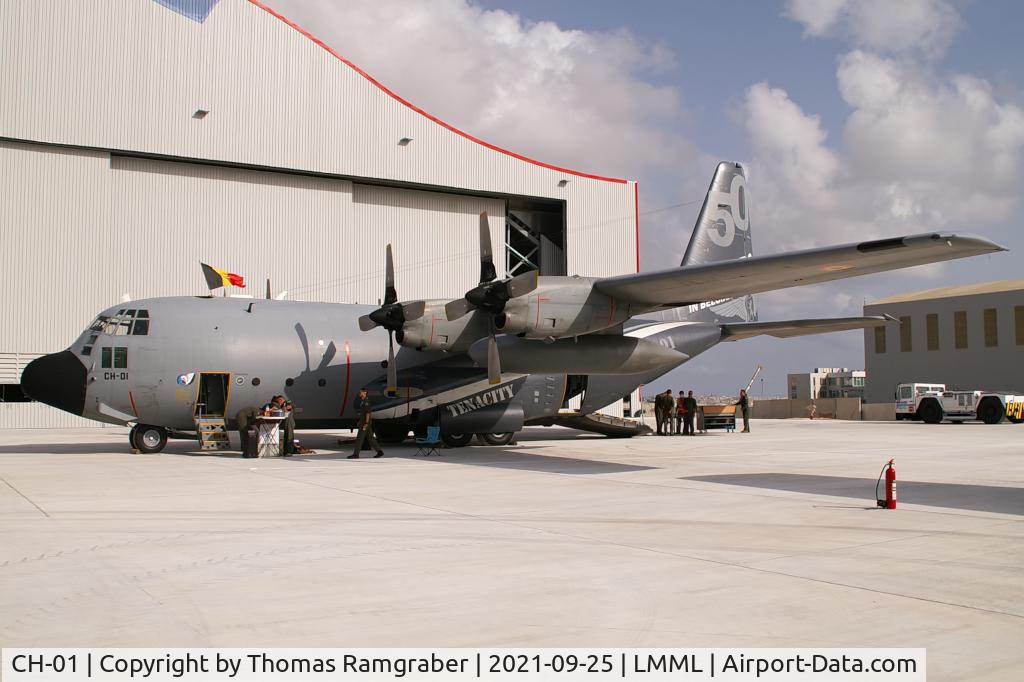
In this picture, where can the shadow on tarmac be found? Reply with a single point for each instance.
(985, 498)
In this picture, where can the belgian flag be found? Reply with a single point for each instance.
(215, 278)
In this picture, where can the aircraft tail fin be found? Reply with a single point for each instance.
(722, 233)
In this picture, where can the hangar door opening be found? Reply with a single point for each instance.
(535, 236)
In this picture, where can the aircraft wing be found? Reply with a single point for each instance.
(787, 328)
(728, 279)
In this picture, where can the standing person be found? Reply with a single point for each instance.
(665, 421)
(744, 407)
(670, 413)
(680, 412)
(245, 420)
(365, 432)
(659, 411)
(690, 407)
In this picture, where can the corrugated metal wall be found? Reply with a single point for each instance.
(84, 223)
(128, 75)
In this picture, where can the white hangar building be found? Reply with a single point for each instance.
(140, 137)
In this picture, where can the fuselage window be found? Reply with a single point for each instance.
(87, 348)
(114, 358)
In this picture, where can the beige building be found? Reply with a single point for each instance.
(827, 382)
(967, 337)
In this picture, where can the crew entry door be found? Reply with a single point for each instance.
(212, 400)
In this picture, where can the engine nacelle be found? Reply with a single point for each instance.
(433, 331)
(562, 307)
(511, 323)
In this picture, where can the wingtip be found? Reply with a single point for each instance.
(969, 239)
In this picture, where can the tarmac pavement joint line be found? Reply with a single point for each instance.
(25, 497)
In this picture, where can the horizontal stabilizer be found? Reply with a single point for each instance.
(728, 279)
(785, 329)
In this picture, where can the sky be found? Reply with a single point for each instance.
(855, 119)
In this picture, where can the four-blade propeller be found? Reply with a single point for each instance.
(490, 297)
(391, 315)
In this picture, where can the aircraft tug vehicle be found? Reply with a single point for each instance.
(932, 404)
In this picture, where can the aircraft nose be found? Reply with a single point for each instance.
(58, 379)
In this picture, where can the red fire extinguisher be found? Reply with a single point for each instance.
(889, 501)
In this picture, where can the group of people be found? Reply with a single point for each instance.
(681, 411)
(280, 406)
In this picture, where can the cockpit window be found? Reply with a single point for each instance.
(126, 322)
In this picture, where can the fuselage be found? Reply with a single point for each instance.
(165, 361)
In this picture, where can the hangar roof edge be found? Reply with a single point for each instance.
(950, 292)
(420, 111)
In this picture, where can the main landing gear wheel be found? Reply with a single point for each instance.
(456, 440)
(148, 439)
(930, 411)
(496, 438)
(991, 411)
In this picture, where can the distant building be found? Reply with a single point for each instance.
(969, 337)
(827, 382)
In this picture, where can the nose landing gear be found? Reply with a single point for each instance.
(148, 439)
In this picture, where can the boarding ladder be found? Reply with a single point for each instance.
(212, 433)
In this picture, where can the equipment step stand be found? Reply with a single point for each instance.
(212, 432)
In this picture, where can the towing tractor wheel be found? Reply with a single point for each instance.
(930, 411)
(991, 411)
(456, 440)
(148, 439)
(496, 438)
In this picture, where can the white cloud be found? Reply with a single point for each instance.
(918, 153)
(794, 140)
(946, 148)
(924, 26)
(567, 97)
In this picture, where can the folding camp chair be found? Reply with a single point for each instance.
(428, 446)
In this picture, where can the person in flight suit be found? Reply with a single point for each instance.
(365, 432)
(246, 419)
(744, 405)
(690, 407)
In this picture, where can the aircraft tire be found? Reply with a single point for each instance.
(991, 411)
(456, 440)
(930, 411)
(496, 438)
(148, 439)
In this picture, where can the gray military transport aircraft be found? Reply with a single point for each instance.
(511, 352)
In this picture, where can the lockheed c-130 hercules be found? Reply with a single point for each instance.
(510, 353)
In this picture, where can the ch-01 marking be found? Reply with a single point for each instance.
(115, 376)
